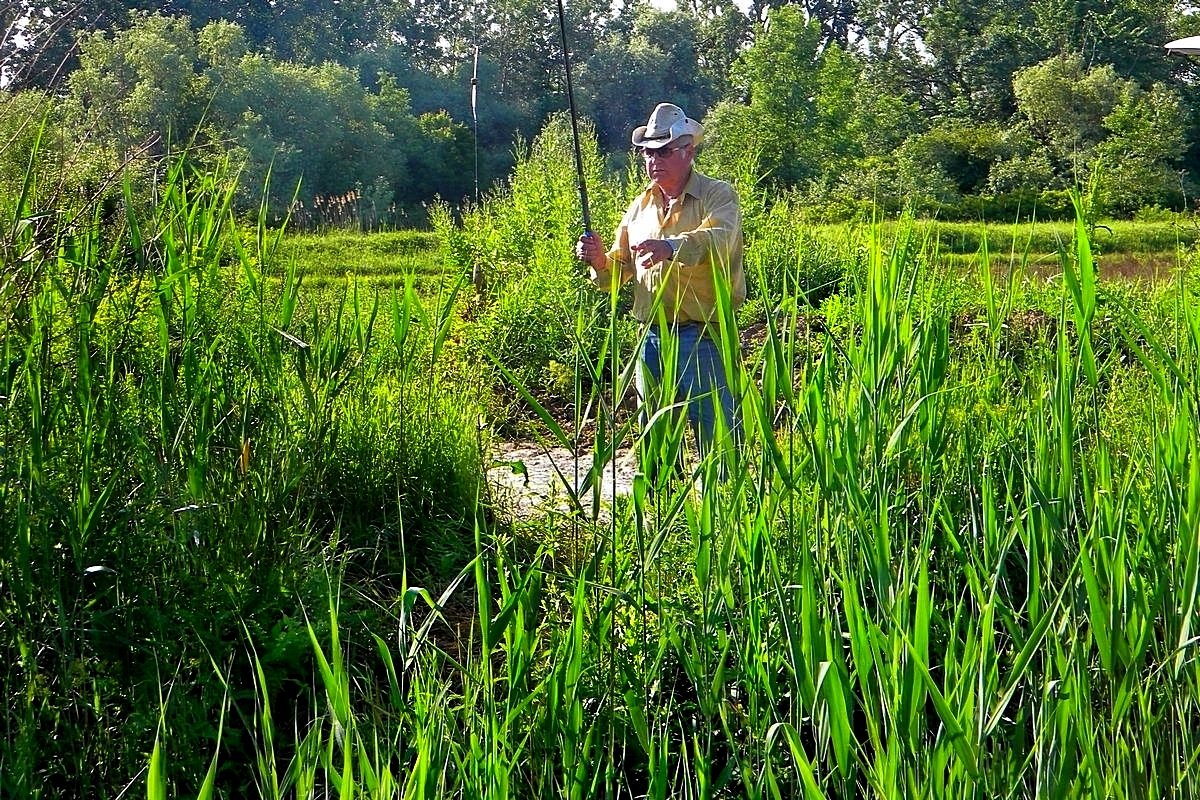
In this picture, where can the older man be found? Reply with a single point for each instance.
(680, 238)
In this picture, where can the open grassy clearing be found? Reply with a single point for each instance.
(1124, 249)
(1040, 238)
(378, 258)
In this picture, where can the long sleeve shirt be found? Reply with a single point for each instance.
(704, 226)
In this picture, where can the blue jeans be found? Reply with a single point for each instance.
(700, 381)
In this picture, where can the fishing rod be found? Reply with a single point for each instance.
(476, 268)
(587, 231)
(475, 118)
(583, 199)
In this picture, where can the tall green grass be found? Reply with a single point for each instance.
(937, 578)
(943, 573)
(188, 445)
(961, 557)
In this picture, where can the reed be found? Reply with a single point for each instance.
(959, 557)
(188, 440)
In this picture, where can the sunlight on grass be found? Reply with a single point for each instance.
(253, 552)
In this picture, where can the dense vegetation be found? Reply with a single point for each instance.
(252, 552)
(251, 547)
(966, 110)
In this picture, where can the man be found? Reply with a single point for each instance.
(678, 239)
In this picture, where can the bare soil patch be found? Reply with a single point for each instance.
(527, 478)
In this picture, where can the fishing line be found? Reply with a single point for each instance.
(475, 118)
(587, 231)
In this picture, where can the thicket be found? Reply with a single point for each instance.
(330, 151)
(195, 455)
(252, 554)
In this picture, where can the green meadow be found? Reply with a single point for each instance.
(251, 550)
(1147, 251)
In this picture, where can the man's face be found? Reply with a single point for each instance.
(669, 166)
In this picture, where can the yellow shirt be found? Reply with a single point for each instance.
(704, 225)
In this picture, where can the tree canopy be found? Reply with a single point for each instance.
(833, 98)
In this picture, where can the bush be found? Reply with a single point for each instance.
(523, 239)
(212, 456)
(1022, 205)
(784, 258)
(404, 461)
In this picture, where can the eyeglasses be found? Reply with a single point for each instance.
(661, 152)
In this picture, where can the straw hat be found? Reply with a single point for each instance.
(666, 124)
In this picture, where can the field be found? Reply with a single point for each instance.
(252, 552)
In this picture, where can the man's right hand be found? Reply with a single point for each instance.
(590, 249)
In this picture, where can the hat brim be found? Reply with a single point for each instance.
(686, 127)
(640, 140)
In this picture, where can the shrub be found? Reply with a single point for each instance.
(211, 455)
(784, 258)
(523, 240)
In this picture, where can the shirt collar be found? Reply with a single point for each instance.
(688, 188)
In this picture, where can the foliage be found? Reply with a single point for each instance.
(1090, 123)
(51, 174)
(822, 93)
(963, 154)
(785, 259)
(1145, 144)
(24, 119)
(777, 77)
(136, 88)
(807, 119)
(973, 51)
(310, 32)
(251, 551)
(189, 446)
(447, 148)
(841, 611)
(158, 86)
(534, 287)
(631, 72)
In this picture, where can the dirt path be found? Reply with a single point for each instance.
(528, 479)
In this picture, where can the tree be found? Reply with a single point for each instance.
(1128, 34)
(777, 79)
(838, 20)
(890, 30)
(628, 75)
(316, 127)
(962, 153)
(136, 88)
(1065, 104)
(305, 30)
(968, 52)
(805, 114)
(1139, 157)
(1093, 122)
(46, 50)
(438, 170)
(723, 32)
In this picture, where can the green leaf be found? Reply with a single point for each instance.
(958, 739)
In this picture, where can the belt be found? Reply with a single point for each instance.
(677, 326)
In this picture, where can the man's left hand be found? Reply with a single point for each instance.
(652, 251)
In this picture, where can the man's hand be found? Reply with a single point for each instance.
(652, 251)
(590, 248)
